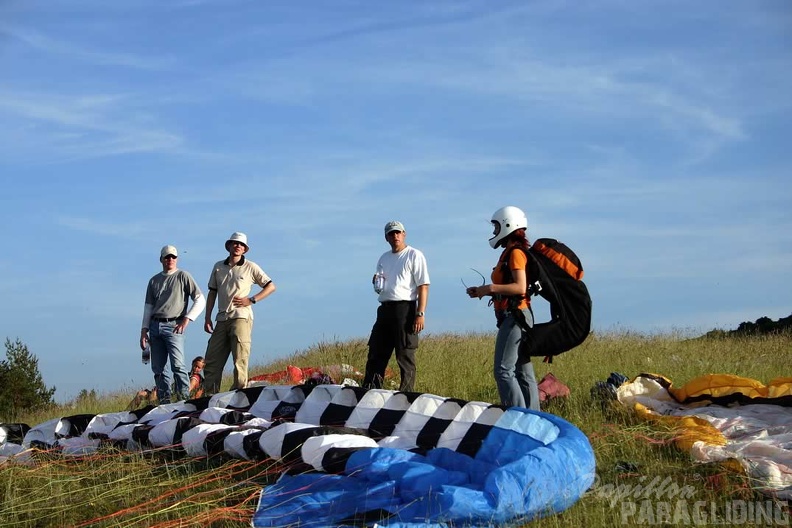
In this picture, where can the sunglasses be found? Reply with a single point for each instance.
(483, 280)
(170, 257)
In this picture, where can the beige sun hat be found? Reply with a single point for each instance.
(237, 237)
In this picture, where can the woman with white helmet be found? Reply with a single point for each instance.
(514, 375)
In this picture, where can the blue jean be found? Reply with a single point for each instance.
(514, 376)
(165, 344)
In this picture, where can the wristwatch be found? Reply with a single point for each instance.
(419, 314)
(252, 300)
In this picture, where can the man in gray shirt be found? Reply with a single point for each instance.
(165, 316)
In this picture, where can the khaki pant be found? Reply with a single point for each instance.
(230, 337)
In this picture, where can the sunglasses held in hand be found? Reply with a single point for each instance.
(483, 280)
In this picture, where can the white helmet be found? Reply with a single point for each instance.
(506, 221)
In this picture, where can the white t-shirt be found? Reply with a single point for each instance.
(404, 272)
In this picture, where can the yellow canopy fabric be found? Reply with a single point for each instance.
(719, 417)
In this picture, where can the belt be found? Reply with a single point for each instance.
(165, 319)
(396, 302)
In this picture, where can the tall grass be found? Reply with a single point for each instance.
(162, 489)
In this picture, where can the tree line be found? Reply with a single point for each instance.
(763, 325)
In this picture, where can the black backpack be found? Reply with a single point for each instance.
(555, 274)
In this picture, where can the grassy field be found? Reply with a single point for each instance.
(164, 490)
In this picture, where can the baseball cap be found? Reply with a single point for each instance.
(393, 225)
(169, 250)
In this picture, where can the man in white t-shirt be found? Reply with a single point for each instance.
(401, 314)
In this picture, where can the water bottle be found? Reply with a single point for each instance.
(147, 354)
(379, 280)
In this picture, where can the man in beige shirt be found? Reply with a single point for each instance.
(230, 286)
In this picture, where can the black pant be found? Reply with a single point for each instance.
(393, 329)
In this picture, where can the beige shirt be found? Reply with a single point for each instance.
(235, 281)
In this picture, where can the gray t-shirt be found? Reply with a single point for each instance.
(169, 294)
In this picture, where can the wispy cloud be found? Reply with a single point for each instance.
(53, 46)
(88, 225)
(61, 128)
(658, 92)
(594, 89)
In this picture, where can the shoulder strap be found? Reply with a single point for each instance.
(504, 266)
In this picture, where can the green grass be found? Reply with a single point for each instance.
(165, 490)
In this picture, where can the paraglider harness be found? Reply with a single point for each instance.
(555, 272)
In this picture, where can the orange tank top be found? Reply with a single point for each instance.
(518, 260)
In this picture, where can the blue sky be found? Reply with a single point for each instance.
(651, 137)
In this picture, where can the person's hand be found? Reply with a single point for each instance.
(477, 291)
(183, 322)
(143, 338)
(418, 324)
(241, 301)
(208, 326)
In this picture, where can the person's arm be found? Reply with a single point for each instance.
(517, 287)
(265, 292)
(147, 309)
(518, 261)
(267, 288)
(196, 385)
(263, 280)
(210, 302)
(199, 303)
(423, 297)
